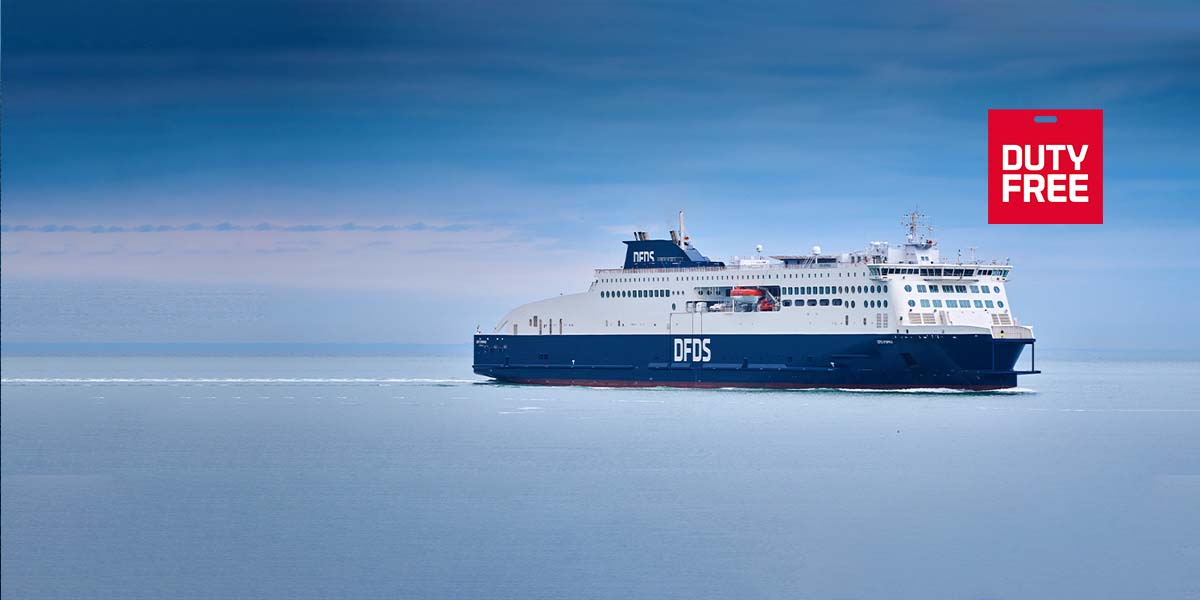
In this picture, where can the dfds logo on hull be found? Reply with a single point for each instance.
(692, 349)
(1046, 166)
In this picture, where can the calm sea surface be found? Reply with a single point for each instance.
(410, 478)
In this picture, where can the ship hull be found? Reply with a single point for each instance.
(784, 361)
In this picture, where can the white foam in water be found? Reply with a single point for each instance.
(177, 380)
(1015, 390)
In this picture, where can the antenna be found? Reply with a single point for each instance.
(912, 222)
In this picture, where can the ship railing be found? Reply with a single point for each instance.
(800, 266)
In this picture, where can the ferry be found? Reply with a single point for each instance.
(883, 317)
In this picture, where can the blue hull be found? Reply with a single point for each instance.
(888, 361)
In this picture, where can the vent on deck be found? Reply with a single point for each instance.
(923, 319)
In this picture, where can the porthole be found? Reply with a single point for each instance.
(908, 288)
(1000, 303)
(996, 289)
(912, 303)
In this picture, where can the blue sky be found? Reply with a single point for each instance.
(402, 171)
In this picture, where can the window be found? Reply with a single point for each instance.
(885, 289)
(812, 301)
(988, 303)
(885, 303)
(952, 304)
(933, 289)
(921, 289)
(1000, 303)
(937, 303)
(912, 303)
(960, 289)
(787, 302)
(996, 289)
(924, 303)
(986, 290)
(837, 301)
(824, 301)
(979, 304)
(851, 304)
(974, 289)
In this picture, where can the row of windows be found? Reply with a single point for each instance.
(875, 271)
(738, 277)
(836, 289)
(636, 294)
(835, 302)
(953, 289)
(957, 303)
(938, 271)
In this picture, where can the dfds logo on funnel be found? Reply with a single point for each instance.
(1046, 166)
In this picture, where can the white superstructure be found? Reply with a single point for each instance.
(905, 289)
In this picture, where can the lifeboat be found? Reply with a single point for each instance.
(749, 293)
(746, 298)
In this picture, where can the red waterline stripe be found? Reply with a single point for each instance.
(715, 385)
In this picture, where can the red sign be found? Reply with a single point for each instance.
(1046, 166)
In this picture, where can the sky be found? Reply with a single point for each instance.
(363, 171)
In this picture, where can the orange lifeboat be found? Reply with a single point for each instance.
(748, 293)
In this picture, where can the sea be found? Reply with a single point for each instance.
(409, 477)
